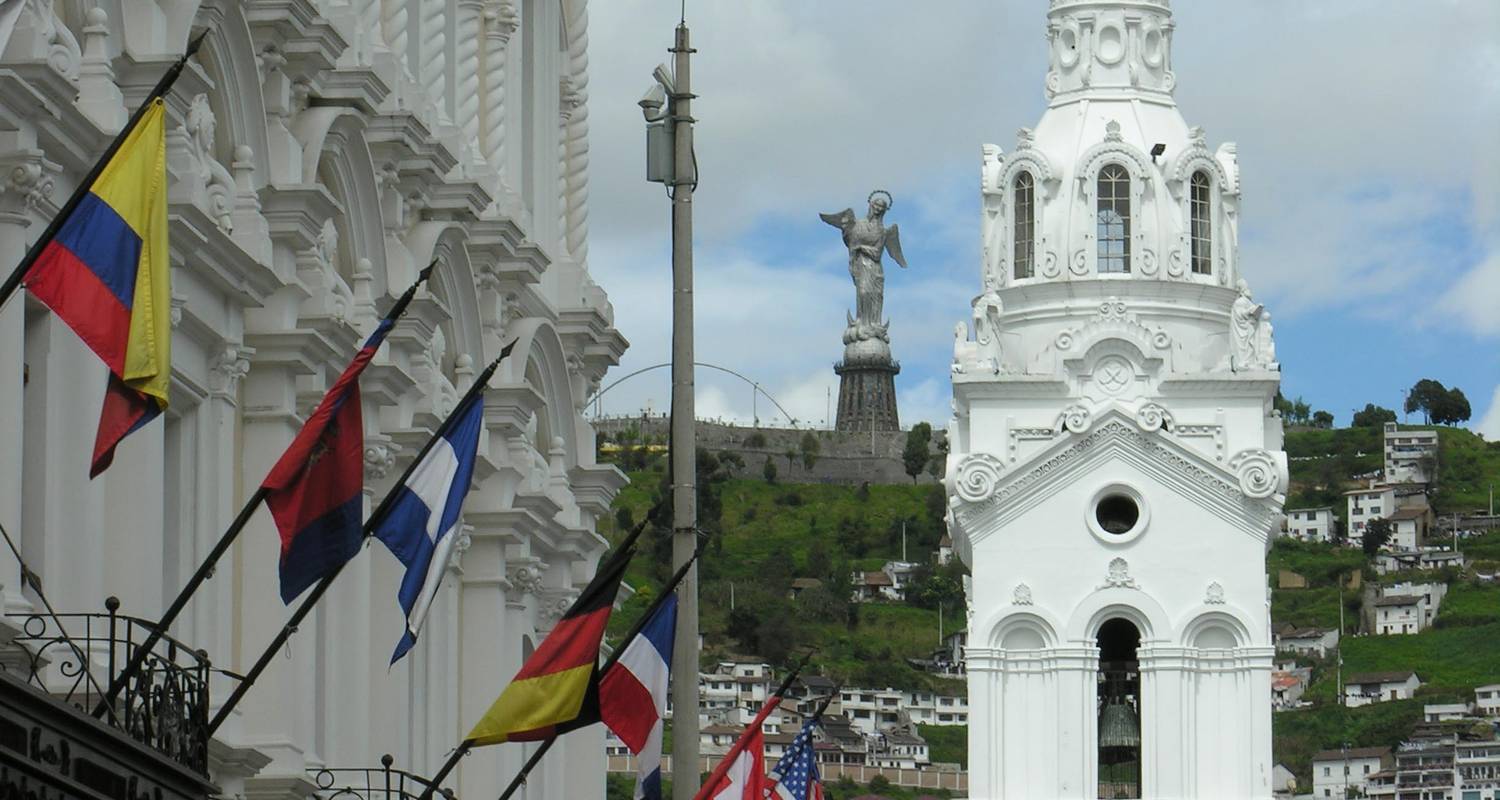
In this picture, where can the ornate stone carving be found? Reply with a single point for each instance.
(1113, 308)
(1214, 595)
(1075, 418)
(554, 604)
(1250, 324)
(379, 459)
(26, 181)
(525, 577)
(199, 128)
(1079, 264)
(1119, 576)
(1022, 595)
(977, 477)
(227, 368)
(1153, 417)
(1259, 472)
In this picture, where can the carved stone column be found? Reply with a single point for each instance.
(26, 181)
(500, 21)
(469, 26)
(575, 166)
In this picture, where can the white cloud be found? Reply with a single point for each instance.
(1489, 424)
(1475, 297)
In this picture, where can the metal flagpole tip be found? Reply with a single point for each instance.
(427, 271)
(195, 43)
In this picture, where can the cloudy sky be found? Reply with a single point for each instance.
(1369, 143)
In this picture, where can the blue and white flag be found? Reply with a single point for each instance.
(633, 695)
(419, 525)
(796, 773)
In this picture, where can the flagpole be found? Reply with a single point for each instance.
(635, 630)
(206, 569)
(162, 87)
(376, 517)
(627, 544)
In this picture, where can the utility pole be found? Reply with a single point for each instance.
(669, 160)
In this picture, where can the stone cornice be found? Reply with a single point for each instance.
(989, 495)
(360, 88)
(595, 487)
(207, 251)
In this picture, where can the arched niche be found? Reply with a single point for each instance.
(334, 150)
(1215, 630)
(1022, 631)
(228, 56)
(539, 359)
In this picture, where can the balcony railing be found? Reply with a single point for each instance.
(163, 706)
(372, 783)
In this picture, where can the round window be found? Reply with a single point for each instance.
(1117, 514)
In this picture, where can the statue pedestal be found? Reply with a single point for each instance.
(867, 387)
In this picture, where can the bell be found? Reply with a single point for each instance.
(1118, 727)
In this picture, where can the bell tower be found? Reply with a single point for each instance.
(1116, 468)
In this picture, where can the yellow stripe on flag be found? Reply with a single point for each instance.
(533, 703)
(134, 184)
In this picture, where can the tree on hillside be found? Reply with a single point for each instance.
(810, 449)
(915, 456)
(1423, 395)
(1452, 408)
(769, 470)
(1322, 419)
(1373, 416)
(1377, 532)
(1301, 411)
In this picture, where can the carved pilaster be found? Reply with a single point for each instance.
(433, 26)
(467, 71)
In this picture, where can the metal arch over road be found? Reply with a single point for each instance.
(756, 387)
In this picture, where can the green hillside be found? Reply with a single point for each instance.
(763, 535)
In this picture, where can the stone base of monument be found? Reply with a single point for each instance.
(867, 387)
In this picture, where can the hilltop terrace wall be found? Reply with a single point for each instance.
(843, 457)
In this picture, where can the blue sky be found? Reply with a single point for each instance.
(1366, 135)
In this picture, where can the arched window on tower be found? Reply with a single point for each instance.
(1119, 709)
(1201, 216)
(1025, 225)
(1114, 219)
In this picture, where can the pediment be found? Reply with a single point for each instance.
(1245, 491)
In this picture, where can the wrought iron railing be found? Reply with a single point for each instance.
(372, 783)
(164, 705)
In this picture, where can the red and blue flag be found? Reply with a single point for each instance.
(315, 491)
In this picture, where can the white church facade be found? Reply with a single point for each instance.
(320, 153)
(1116, 470)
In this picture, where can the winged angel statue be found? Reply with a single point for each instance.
(866, 239)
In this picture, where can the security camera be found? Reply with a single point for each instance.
(663, 76)
(651, 104)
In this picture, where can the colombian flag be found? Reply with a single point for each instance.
(557, 689)
(315, 491)
(105, 273)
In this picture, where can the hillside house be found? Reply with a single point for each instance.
(1432, 594)
(1410, 528)
(839, 742)
(899, 749)
(1375, 502)
(928, 708)
(944, 552)
(800, 585)
(1306, 641)
(1286, 690)
(1365, 688)
(869, 586)
(1446, 712)
(901, 573)
(1478, 767)
(1337, 771)
(1283, 783)
(1399, 614)
(1410, 456)
(1311, 524)
(1487, 700)
(872, 710)
(1421, 558)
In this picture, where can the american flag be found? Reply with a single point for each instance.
(796, 774)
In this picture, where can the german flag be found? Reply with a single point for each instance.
(557, 689)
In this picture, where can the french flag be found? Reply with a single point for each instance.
(633, 695)
(316, 489)
(418, 524)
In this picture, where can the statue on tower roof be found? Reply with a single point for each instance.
(866, 239)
